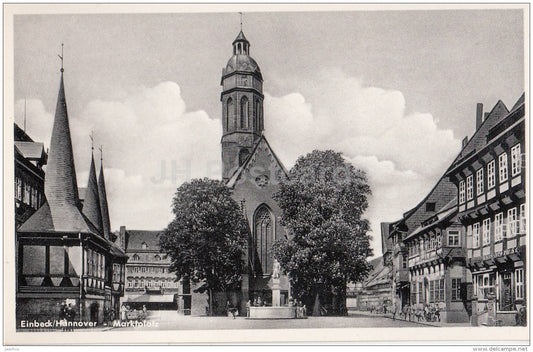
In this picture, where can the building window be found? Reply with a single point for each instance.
(421, 293)
(479, 181)
(430, 206)
(264, 237)
(456, 289)
(491, 174)
(413, 292)
(512, 222)
(519, 280)
(498, 227)
(470, 187)
(502, 162)
(27, 192)
(244, 113)
(436, 291)
(461, 192)
(515, 160)
(135, 257)
(404, 262)
(144, 245)
(523, 218)
(486, 232)
(18, 188)
(475, 235)
(453, 238)
(485, 285)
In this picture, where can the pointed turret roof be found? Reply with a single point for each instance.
(91, 204)
(240, 38)
(106, 223)
(61, 186)
(61, 212)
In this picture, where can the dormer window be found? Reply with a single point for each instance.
(157, 257)
(144, 245)
(136, 257)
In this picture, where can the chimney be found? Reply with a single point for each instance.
(122, 236)
(479, 115)
(465, 142)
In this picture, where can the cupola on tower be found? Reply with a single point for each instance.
(242, 106)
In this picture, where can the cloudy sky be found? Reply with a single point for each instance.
(395, 91)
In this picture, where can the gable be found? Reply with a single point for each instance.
(261, 167)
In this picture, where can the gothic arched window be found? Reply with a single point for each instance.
(244, 112)
(243, 155)
(263, 238)
(229, 112)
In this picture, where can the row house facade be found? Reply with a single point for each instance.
(64, 251)
(490, 175)
(412, 272)
(30, 158)
(149, 281)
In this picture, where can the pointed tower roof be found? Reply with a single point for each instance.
(61, 211)
(91, 204)
(106, 223)
(61, 186)
(240, 38)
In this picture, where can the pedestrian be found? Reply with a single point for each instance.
(394, 311)
(123, 311)
(437, 311)
(248, 308)
(144, 313)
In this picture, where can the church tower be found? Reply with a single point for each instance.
(242, 107)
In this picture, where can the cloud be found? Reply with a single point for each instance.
(38, 120)
(152, 143)
(403, 153)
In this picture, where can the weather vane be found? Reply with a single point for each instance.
(91, 136)
(61, 57)
(101, 152)
(240, 13)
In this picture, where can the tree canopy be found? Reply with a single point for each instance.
(322, 204)
(208, 236)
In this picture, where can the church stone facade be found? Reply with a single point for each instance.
(252, 171)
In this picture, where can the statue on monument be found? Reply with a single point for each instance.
(276, 270)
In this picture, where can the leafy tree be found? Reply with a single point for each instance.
(322, 203)
(207, 238)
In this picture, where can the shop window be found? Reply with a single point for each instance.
(502, 164)
(485, 285)
(456, 290)
(515, 160)
(491, 174)
(453, 238)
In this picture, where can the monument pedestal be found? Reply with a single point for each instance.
(276, 297)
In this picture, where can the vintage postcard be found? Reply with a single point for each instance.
(181, 174)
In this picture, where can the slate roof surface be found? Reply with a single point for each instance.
(135, 239)
(31, 150)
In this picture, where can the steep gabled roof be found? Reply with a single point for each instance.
(479, 139)
(31, 150)
(237, 174)
(135, 239)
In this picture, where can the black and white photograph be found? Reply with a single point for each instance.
(266, 173)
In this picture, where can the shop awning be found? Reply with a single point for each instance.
(151, 298)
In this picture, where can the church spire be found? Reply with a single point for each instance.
(106, 223)
(91, 204)
(60, 186)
